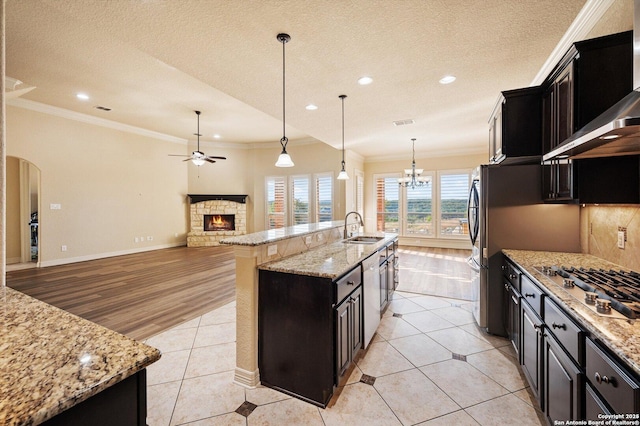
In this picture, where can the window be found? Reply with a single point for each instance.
(359, 197)
(387, 204)
(419, 210)
(324, 198)
(454, 191)
(276, 202)
(300, 200)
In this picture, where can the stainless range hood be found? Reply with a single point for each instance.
(617, 130)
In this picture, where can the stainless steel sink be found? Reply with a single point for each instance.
(362, 239)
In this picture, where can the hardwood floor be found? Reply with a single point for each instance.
(143, 294)
(435, 271)
(138, 295)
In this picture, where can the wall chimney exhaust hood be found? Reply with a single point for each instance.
(616, 131)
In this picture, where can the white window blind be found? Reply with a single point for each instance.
(324, 198)
(276, 202)
(300, 199)
(454, 191)
(387, 203)
(359, 192)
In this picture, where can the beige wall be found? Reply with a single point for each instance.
(599, 233)
(112, 186)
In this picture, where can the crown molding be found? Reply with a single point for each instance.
(438, 154)
(587, 18)
(96, 121)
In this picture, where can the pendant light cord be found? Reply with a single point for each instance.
(284, 139)
(342, 97)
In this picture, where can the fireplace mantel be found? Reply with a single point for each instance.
(197, 198)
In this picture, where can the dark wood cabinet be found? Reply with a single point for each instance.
(532, 349)
(309, 331)
(515, 126)
(592, 76)
(349, 331)
(512, 305)
(563, 383)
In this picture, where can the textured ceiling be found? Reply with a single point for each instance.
(154, 62)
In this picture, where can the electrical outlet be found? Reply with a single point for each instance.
(55, 206)
(136, 239)
(319, 237)
(308, 239)
(621, 239)
(272, 250)
(63, 248)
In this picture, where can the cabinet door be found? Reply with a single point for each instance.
(531, 348)
(384, 294)
(513, 318)
(343, 337)
(356, 314)
(594, 406)
(549, 120)
(564, 179)
(564, 103)
(563, 384)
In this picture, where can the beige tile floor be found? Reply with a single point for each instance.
(418, 380)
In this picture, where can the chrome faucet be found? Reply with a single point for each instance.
(345, 222)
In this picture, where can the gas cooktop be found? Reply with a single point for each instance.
(614, 294)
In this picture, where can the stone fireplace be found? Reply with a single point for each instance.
(215, 217)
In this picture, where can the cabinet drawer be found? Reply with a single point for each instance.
(531, 294)
(570, 336)
(617, 387)
(348, 283)
(511, 273)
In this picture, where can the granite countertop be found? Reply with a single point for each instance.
(51, 360)
(272, 235)
(622, 336)
(331, 260)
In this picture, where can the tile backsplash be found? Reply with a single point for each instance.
(599, 233)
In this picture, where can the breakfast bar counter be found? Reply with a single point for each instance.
(52, 362)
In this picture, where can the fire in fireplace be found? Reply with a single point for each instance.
(219, 222)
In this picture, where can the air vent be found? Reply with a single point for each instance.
(403, 122)
(103, 108)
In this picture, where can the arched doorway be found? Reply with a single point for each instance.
(23, 187)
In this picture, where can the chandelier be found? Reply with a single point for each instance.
(413, 176)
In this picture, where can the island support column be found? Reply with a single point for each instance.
(247, 373)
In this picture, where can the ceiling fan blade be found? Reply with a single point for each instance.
(209, 160)
(178, 155)
(217, 158)
(188, 159)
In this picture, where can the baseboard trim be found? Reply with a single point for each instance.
(461, 244)
(57, 262)
(247, 379)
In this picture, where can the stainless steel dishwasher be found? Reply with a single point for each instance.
(371, 289)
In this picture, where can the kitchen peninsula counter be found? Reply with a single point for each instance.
(52, 360)
(622, 336)
(331, 260)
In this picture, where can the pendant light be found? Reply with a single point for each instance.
(343, 173)
(284, 160)
(412, 176)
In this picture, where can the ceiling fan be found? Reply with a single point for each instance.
(198, 157)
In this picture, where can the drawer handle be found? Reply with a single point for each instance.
(560, 326)
(504, 267)
(605, 379)
(512, 276)
(350, 282)
(506, 286)
(529, 295)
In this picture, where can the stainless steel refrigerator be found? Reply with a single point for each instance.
(506, 212)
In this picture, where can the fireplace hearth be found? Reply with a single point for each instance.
(219, 222)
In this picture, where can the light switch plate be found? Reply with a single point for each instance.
(272, 250)
(621, 239)
(308, 239)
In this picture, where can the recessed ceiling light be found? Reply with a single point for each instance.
(363, 81)
(311, 107)
(447, 79)
(82, 96)
(217, 136)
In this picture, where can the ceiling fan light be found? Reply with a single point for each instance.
(198, 161)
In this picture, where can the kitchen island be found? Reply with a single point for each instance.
(581, 362)
(61, 369)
